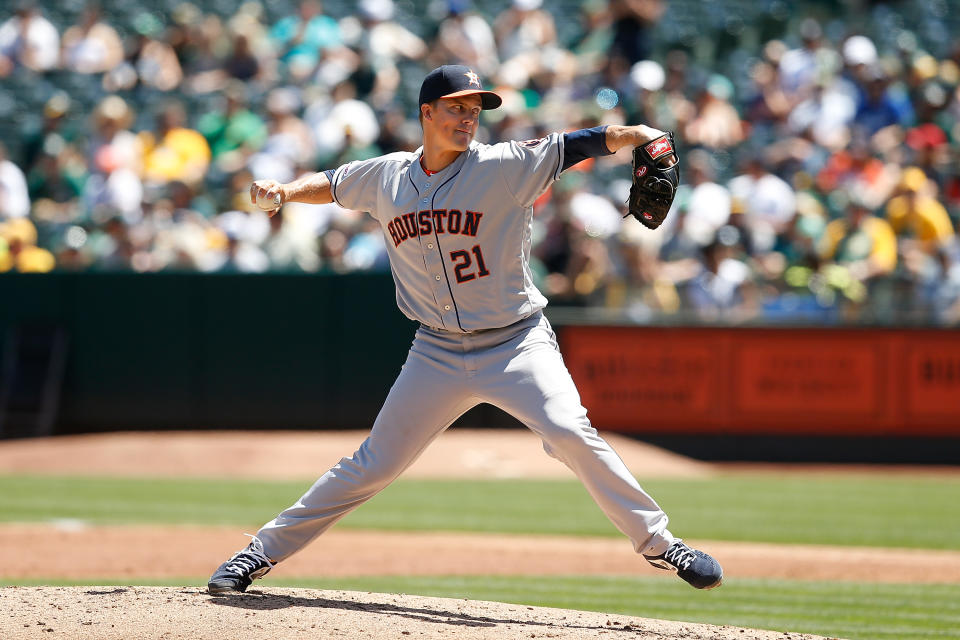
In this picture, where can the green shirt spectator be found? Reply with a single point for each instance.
(301, 39)
(234, 127)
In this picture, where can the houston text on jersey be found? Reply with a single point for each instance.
(422, 223)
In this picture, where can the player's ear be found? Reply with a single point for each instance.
(426, 111)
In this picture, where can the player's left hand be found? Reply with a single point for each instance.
(656, 175)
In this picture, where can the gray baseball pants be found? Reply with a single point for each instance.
(517, 368)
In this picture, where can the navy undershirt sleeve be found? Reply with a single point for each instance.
(584, 143)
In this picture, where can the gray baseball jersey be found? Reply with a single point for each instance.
(459, 243)
(459, 240)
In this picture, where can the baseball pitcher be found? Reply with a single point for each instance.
(456, 215)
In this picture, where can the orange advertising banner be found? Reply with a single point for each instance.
(930, 377)
(767, 381)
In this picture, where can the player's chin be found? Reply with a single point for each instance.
(462, 139)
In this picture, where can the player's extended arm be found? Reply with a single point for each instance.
(602, 141)
(310, 189)
(619, 136)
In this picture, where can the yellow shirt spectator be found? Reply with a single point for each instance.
(851, 240)
(18, 250)
(921, 217)
(915, 213)
(182, 154)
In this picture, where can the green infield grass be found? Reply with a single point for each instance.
(847, 610)
(843, 509)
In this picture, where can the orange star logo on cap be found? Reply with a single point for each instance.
(473, 78)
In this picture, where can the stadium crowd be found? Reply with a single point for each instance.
(820, 143)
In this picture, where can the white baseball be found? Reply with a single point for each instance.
(267, 203)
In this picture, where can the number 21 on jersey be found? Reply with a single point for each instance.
(463, 264)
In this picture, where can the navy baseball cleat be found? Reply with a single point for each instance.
(237, 573)
(697, 568)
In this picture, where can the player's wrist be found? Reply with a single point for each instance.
(644, 134)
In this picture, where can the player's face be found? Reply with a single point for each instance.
(454, 121)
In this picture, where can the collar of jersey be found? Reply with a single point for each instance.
(450, 169)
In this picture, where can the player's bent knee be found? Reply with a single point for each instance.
(568, 436)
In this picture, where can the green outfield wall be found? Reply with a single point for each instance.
(192, 351)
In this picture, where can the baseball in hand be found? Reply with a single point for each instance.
(268, 203)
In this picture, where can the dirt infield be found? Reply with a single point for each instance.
(128, 553)
(171, 613)
(457, 453)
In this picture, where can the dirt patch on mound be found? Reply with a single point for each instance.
(170, 613)
(457, 453)
(140, 553)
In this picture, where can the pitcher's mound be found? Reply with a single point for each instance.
(189, 613)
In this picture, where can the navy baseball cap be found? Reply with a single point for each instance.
(455, 80)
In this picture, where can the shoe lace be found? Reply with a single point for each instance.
(249, 559)
(680, 555)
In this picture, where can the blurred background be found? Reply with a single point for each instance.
(806, 284)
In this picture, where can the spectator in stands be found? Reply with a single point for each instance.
(290, 143)
(944, 281)
(576, 257)
(244, 232)
(385, 41)
(55, 182)
(289, 248)
(769, 203)
(593, 41)
(879, 107)
(860, 241)
(201, 38)
(916, 214)
(723, 290)
(833, 111)
(524, 28)
(767, 103)
(707, 204)
(931, 153)
(633, 22)
(302, 39)
(716, 124)
(51, 132)
(92, 45)
(28, 40)
(824, 117)
(464, 37)
(801, 67)
(154, 60)
(14, 197)
(525, 35)
(366, 249)
(19, 250)
(115, 160)
(232, 127)
(241, 64)
(174, 151)
(853, 169)
(342, 126)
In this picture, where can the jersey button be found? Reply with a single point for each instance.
(437, 277)
(446, 307)
(424, 201)
(429, 245)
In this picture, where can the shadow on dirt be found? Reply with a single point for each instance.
(265, 601)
